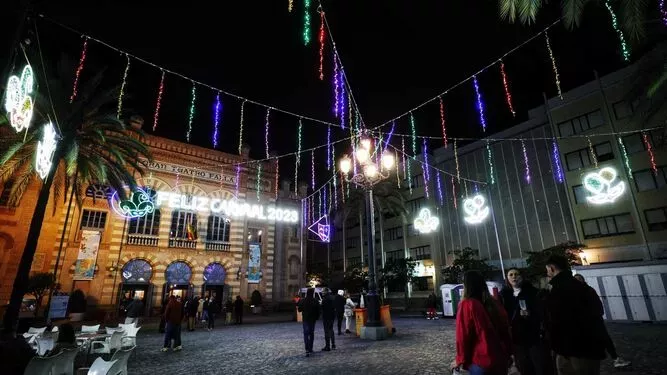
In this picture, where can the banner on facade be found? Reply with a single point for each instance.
(254, 263)
(85, 261)
(58, 307)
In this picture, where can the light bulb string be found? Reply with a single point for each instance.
(199, 83)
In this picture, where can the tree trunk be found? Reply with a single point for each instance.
(10, 319)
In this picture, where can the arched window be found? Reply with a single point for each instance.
(214, 274)
(218, 228)
(137, 271)
(178, 273)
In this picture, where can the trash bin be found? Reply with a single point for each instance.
(385, 318)
(451, 295)
(360, 318)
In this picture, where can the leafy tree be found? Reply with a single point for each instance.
(537, 260)
(355, 280)
(466, 259)
(398, 273)
(38, 285)
(94, 147)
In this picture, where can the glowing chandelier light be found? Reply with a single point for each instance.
(475, 209)
(425, 222)
(45, 149)
(138, 205)
(602, 187)
(18, 102)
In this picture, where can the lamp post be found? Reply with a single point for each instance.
(370, 169)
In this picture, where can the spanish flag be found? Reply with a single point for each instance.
(191, 232)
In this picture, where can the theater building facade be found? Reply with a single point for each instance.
(195, 226)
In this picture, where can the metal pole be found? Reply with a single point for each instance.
(495, 230)
(301, 244)
(62, 237)
(120, 249)
(372, 296)
(628, 177)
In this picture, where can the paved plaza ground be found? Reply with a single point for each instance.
(419, 347)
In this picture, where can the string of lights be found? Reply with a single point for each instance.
(121, 93)
(79, 69)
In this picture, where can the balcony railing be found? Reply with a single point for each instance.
(218, 246)
(182, 243)
(141, 240)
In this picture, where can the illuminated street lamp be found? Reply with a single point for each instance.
(371, 168)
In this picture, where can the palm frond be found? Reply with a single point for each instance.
(572, 12)
(633, 15)
(22, 179)
(509, 9)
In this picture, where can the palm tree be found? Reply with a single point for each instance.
(632, 14)
(95, 147)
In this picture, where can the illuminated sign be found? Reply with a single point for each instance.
(602, 187)
(321, 228)
(425, 222)
(475, 209)
(140, 204)
(18, 103)
(45, 149)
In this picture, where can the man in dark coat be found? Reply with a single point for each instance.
(340, 309)
(328, 316)
(573, 321)
(238, 310)
(134, 310)
(310, 310)
(173, 316)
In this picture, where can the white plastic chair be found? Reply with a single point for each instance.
(44, 344)
(54, 333)
(36, 331)
(122, 355)
(126, 326)
(130, 336)
(111, 330)
(65, 362)
(107, 346)
(41, 365)
(101, 367)
(94, 328)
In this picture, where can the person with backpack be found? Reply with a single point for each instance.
(310, 310)
(328, 317)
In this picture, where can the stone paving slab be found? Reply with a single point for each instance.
(419, 347)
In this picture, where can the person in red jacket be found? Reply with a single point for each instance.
(483, 342)
(173, 315)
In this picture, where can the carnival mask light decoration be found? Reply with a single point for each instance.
(603, 186)
(18, 102)
(425, 222)
(140, 204)
(45, 150)
(475, 209)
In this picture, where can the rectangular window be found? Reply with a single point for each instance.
(183, 225)
(218, 229)
(656, 219)
(417, 180)
(622, 109)
(148, 225)
(93, 219)
(646, 180)
(607, 226)
(415, 205)
(581, 158)
(394, 255)
(420, 252)
(581, 124)
(392, 234)
(579, 194)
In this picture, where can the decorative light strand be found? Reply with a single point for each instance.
(79, 69)
(391, 132)
(409, 177)
(592, 151)
(398, 177)
(297, 159)
(158, 103)
(329, 147)
(335, 186)
(342, 101)
(508, 94)
(241, 128)
(321, 45)
(414, 135)
(266, 132)
(290, 5)
(465, 188)
(312, 169)
(349, 105)
(191, 116)
(236, 182)
(425, 169)
(626, 159)
(342, 187)
(259, 179)
(306, 22)
(625, 50)
(425, 151)
(454, 191)
(456, 160)
(277, 180)
(525, 161)
(480, 103)
(328, 201)
(442, 121)
(403, 157)
(439, 185)
(558, 169)
(216, 119)
(121, 94)
(554, 66)
(663, 11)
(336, 87)
(649, 150)
(489, 160)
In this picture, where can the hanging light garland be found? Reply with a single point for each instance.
(625, 50)
(456, 161)
(312, 169)
(335, 186)
(442, 121)
(508, 94)
(626, 159)
(121, 94)
(391, 133)
(216, 119)
(306, 22)
(649, 150)
(425, 151)
(238, 179)
(405, 176)
(79, 69)
(336, 87)
(556, 160)
(342, 187)
(414, 135)
(241, 128)
(398, 178)
(409, 177)
(266, 132)
(592, 152)
(454, 189)
(480, 103)
(259, 180)
(277, 180)
(321, 45)
(425, 169)
(158, 103)
(554, 66)
(489, 160)
(662, 7)
(329, 148)
(342, 101)
(191, 116)
(290, 5)
(297, 159)
(439, 185)
(525, 161)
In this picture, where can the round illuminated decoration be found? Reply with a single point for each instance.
(45, 149)
(425, 222)
(178, 273)
(214, 274)
(137, 271)
(139, 204)
(475, 209)
(603, 186)
(18, 102)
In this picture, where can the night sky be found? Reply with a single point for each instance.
(396, 54)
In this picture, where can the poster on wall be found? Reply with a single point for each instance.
(85, 261)
(254, 260)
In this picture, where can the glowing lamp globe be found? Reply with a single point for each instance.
(345, 164)
(362, 155)
(387, 160)
(371, 171)
(366, 143)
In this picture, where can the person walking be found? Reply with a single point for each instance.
(173, 315)
(520, 300)
(229, 307)
(349, 312)
(340, 309)
(238, 310)
(328, 317)
(431, 305)
(573, 322)
(213, 310)
(609, 343)
(483, 342)
(310, 310)
(191, 307)
(133, 311)
(200, 309)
